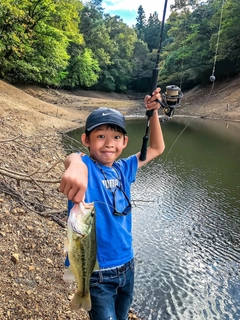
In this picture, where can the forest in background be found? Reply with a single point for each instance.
(68, 44)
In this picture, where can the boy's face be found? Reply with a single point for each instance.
(105, 144)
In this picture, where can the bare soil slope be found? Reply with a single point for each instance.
(32, 211)
(216, 101)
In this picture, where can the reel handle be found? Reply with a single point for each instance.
(153, 86)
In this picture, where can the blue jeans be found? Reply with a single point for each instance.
(112, 292)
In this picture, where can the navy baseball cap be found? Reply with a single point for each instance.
(105, 116)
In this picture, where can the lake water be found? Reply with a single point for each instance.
(186, 222)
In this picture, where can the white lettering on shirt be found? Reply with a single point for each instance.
(111, 183)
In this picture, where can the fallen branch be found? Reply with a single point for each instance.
(30, 171)
(49, 169)
(31, 206)
(11, 139)
(59, 221)
(24, 177)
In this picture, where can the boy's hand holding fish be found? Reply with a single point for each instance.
(75, 179)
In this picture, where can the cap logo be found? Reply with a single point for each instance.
(105, 114)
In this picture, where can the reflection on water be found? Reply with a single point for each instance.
(186, 222)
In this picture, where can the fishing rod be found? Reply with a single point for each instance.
(170, 99)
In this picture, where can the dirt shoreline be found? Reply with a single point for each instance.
(32, 211)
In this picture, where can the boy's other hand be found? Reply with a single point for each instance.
(74, 181)
(151, 102)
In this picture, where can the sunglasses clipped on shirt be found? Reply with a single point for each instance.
(127, 209)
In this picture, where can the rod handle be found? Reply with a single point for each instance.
(153, 86)
(143, 153)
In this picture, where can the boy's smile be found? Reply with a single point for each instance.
(105, 144)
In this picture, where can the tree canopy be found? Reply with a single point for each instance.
(71, 44)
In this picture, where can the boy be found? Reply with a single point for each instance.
(99, 178)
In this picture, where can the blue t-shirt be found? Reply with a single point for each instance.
(114, 233)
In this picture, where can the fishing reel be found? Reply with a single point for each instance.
(171, 99)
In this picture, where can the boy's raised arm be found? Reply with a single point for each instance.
(75, 179)
(156, 141)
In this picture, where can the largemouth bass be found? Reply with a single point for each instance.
(81, 248)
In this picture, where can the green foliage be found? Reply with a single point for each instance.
(189, 56)
(140, 55)
(229, 37)
(152, 32)
(141, 23)
(123, 39)
(183, 4)
(97, 4)
(83, 69)
(66, 43)
(96, 35)
(35, 37)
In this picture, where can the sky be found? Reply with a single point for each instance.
(127, 9)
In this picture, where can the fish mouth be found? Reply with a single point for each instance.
(75, 229)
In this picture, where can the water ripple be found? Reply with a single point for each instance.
(186, 240)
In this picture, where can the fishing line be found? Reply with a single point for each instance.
(72, 145)
(180, 86)
(133, 202)
(183, 48)
(212, 78)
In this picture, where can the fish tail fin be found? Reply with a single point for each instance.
(81, 301)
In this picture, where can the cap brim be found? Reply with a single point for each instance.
(107, 123)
